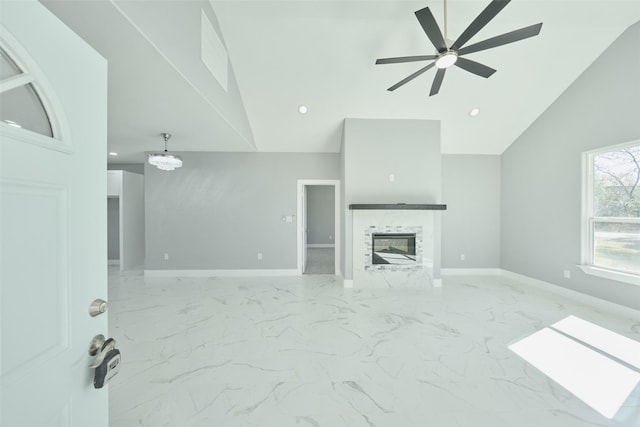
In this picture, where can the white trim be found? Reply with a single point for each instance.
(632, 279)
(569, 293)
(61, 140)
(34, 138)
(588, 219)
(219, 273)
(546, 286)
(336, 185)
(470, 272)
(113, 262)
(586, 207)
(15, 81)
(321, 245)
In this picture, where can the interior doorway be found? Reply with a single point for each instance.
(318, 227)
(125, 218)
(113, 230)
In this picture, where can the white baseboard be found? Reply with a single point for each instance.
(542, 285)
(570, 293)
(321, 245)
(113, 262)
(220, 273)
(471, 271)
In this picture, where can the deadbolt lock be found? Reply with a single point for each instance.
(97, 307)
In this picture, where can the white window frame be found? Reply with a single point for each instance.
(588, 220)
(31, 74)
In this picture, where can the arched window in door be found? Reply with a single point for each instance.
(20, 105)
(28, 109)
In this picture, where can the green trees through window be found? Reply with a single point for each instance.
(615, 212)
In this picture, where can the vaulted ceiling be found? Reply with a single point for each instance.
(321, 54)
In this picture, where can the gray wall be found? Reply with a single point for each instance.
(373, 149)
(221, 209)
(132, 221)
(321, 214)
(409, 149)
(541, 171)
(113, 228)
(129, 167)
(471, 224)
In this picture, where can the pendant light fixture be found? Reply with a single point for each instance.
(165, 161)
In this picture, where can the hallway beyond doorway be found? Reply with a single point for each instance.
(320, 261)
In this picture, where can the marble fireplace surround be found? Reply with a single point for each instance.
(420, 219)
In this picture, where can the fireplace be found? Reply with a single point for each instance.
(396, 246)
(393, 248)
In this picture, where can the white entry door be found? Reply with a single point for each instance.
(52, 220)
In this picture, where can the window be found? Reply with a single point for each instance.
(611, 225)
(20, 105)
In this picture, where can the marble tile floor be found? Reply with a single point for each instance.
(320, 261)
(303, 351)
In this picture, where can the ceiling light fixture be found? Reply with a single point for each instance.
(446, 59)
(165, 161)
(448, 53)
(474, 112)
(303, 109)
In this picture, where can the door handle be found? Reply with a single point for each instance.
(107, 360)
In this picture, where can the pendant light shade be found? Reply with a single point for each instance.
(164, 160)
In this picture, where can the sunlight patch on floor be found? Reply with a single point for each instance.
(616, 345)
(599, 380)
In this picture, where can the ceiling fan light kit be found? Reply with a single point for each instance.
(446, 59)
(165, 161)
(448, 55)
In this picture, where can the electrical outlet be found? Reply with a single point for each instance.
(260, 256)
(462, 257)
(166, 257)
(392, 177)
(567, 274)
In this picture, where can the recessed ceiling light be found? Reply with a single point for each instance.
(12, 123)
(113, 153)
(303, 109)
(474, 112)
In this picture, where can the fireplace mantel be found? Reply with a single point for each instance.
(398, 206)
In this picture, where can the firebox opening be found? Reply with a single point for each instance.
(393, 248)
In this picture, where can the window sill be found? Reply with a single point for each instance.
(632, 279)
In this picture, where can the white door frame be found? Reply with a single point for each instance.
(338, 238)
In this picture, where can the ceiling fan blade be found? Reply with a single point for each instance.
(481, 20)
(513, 36)
(411, 77)
(405, 59)
(475, 67)
(431, 28)
(437, 81)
